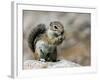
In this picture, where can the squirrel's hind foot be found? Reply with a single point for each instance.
(42, 60)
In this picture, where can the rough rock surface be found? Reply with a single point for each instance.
(33, 64)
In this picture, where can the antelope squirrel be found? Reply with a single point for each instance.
(44, 41)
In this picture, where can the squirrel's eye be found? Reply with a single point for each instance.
(55, 27)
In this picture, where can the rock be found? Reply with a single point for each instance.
(33, 64)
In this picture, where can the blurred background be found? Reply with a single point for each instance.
(76, 46)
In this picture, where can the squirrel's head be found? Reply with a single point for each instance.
(57, 27)
(56, 30)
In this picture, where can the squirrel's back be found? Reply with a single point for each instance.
(36, 32)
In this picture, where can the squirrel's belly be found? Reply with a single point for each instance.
(45, 50)
(44, 46)
(40, 44)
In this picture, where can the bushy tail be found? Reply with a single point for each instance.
(37, 31)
